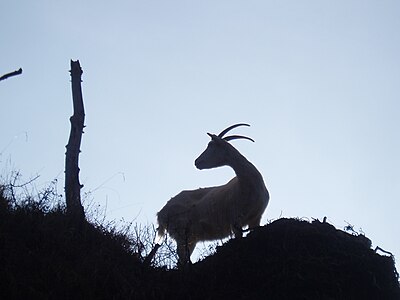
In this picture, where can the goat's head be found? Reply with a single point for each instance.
(218, 149)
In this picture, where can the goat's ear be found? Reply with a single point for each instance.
(212, 136)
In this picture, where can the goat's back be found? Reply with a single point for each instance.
(203, 213)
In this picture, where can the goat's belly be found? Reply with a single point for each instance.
(206, 231)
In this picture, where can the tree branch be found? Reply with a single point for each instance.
(5, 76)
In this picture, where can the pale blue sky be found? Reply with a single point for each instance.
(317, 80)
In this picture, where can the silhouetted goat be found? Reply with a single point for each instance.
(217, 212)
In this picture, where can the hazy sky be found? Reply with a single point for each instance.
(317, 80)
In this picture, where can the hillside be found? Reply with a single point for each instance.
(42, 256)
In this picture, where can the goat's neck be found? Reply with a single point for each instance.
(245, 171)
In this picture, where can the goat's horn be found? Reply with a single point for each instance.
(223, 132)
(234, 137)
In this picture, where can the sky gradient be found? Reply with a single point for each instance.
(317, 80)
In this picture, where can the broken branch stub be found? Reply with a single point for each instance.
(72, 185)
(14, 73)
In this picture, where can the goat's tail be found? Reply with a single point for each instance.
(161, 230)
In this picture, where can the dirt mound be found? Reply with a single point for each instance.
(294, 259)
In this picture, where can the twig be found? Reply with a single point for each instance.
(149, 257)
(5, 76)
(384, 251)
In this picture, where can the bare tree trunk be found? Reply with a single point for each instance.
(72, 185)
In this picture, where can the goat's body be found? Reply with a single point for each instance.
(199, 214)
(212, 213)
(217, 212)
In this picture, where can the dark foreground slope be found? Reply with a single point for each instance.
(42, 257)
(293, 259)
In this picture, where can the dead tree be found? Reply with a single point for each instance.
(72, 185)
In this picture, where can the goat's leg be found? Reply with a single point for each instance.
(237, 230)
(185, 250)
(191, 247)
(255, 222)
(252, 224)
(183, 257)
(237, 227)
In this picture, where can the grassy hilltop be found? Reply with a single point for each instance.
(43, 255)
